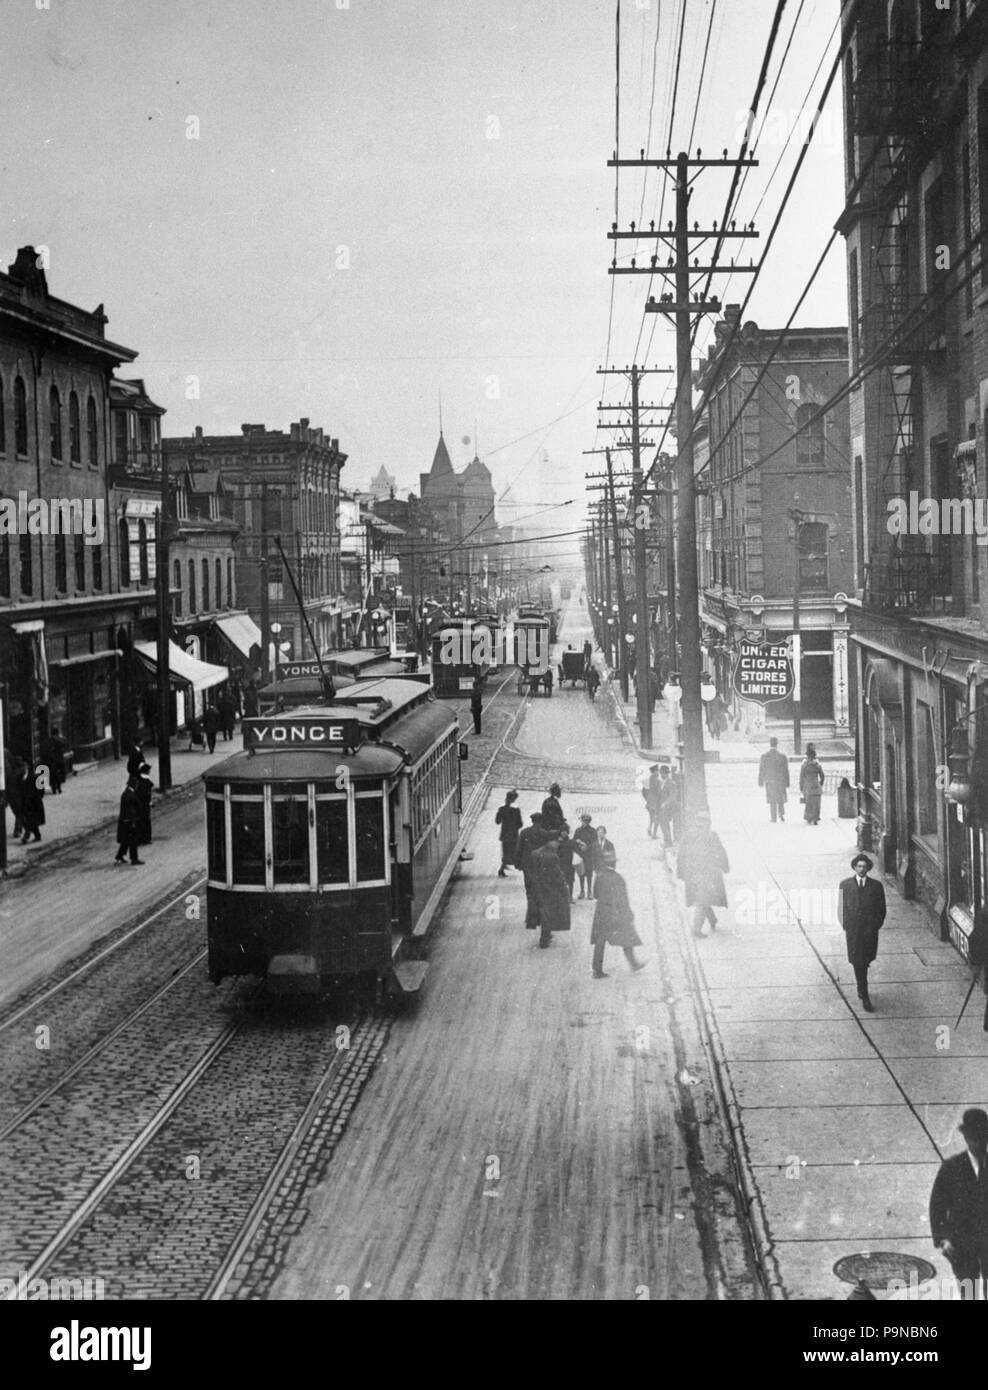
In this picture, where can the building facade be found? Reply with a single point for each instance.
(776, 518)
(286, 488)
(67, 621)
(916, 173)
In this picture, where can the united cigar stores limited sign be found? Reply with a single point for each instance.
(764, 671)
(303, 731)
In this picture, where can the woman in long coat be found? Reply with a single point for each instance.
(145, 791)
(13, 772)
(613, 919)
(552, 811)
(811, 786)
(701, 864)
(32, 804)
(509, 819)
(551, 890)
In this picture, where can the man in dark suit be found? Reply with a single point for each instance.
(773, 775)
(959, 1207)
(532, 838)
(861, 912)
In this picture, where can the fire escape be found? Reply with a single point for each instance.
(895, 105)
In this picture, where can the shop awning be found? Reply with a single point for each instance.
(240, 631)
(183, 669)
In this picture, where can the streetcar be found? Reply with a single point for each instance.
(462, 649)
(331, 837)
(532, 650)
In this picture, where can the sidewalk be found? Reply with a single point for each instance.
(91, 800)
(843, 1116)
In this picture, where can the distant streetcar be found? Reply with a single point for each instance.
(462, 649)
(331, 837)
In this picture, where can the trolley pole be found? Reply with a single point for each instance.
(265, 592)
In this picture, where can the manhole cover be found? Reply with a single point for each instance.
(878, 1269)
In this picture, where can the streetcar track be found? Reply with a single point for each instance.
(101, 1046)
(133, 1150)
(87, 965)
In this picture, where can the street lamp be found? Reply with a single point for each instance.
(275, 630)
(961, 786)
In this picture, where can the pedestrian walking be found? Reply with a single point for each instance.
(570, 851)
(145, 795)
(552, 811)
(228, 716)
(197, 738)
(861, 911)
(587, 655)
(773, 775)
(32, 797)
(717, 717)
(593, 682)
(701, 864)
(959, 1208)
(670, 805)
(613, 919)
(252, 706)
(652, 792)
(509, 819)
(586, 837)
(13, 771)
(532, 838)
(129, 823)
(477, 702)
(211, 726)
(53, 752)
(551, 889)
(811, 786)
(135, 756)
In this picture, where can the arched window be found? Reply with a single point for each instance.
(219, 584)
(75, 429)
(123, 531)
(205, 586)
(20, 416)
(55, 422)
(177, 586)
(813, 567)
(193, 605)
(92, 434)
(231, 601)
(142, 550)
(810, 442)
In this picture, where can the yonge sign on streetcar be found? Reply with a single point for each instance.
(764, 671)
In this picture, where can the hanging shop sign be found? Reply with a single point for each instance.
(764, 671)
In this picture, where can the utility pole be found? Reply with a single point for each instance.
(265, 592)
(681, 309)
(164, 616)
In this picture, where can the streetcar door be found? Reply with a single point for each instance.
(400, 848)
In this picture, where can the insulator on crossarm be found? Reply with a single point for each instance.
(651, 226)
(641, 154)
(715, 224)
(613, 226)
(699, 152)
(654, 260)
(724, 154)
(632, 263)
(733, 226)
(696, 226)
(632, 226)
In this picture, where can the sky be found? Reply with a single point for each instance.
(351, 209)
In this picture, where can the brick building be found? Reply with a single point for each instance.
(70, 611)
(916, 163)
(284, 485)
(776, 520)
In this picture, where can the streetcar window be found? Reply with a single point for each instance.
(290, 830)
(248, 840)
(369, 813)
(332, 848)
(216, 838)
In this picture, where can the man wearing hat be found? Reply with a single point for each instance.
(550, 887)
(773, 775)
(861, 912)
(702, 863)
(530, 839)
(552, 811)
(586, 840)
(652, 792)
(613, 919)
(959, 1207)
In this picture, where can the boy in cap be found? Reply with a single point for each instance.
(586, 838)
(613, 919)
(959, 1207)
(861, 912)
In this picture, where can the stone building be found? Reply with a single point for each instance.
(916, 174)
(776, 521)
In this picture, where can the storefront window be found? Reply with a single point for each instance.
(926, 772)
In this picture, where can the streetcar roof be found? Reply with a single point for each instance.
(373, 761)
(356, 659)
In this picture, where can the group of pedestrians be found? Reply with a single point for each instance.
(551, 860)
(134, 818)
(26, 781)
(663, 796)
(219, 716)
(773, 775)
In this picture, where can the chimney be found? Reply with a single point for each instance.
(198, 431)
(295, 431)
